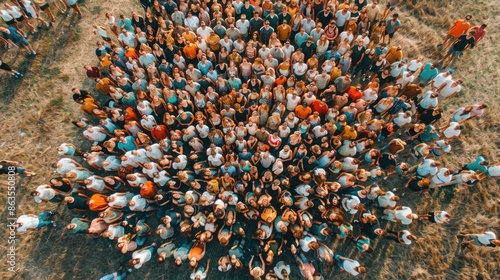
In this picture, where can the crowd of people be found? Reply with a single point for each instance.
(270, 128)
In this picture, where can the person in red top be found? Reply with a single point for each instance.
(92, 72)
(159, 132)
(319, 106)
(458, 29)
(355, 93)
(480, 32)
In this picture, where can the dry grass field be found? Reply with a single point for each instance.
(37, 110)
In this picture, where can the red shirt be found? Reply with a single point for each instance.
(319, 106)
(354, 94)
(159, 133)
(479, 32)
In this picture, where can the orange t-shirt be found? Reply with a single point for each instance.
(459, 28)
(99, 202)
(149, 190)
(190, 51)
(303, 112)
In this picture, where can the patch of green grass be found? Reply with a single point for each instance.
(64, 77)
(96, 10)
(56, 102)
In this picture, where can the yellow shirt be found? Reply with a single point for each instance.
(189, 36)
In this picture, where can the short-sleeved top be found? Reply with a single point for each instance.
(143, 256)
(459, 28)
(463, 42)
(349, 266)
(391, 26)
(80, 226)
(28, 222)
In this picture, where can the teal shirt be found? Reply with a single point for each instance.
(428, 73)
(361, 242)
(476, 165)
(80, 226)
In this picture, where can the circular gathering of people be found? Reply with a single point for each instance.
(269, 128)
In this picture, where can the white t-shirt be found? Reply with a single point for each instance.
(440, 80)
(457, 117)
(44, 193)
(404, 236)
(401, 120)
(401, 215)
(448, 90)
(349, 266)
(66, 167)
(155, 152)
(116, 232)
(486, 237)
(140, 203)
(149, 122)
(414, 65)
(128, 39)
(204, 32)
(243, 26)
(450, 131)
(344, 35)
(28, 222)
(342, 18)
(143, 256)
(441, 178)
(119, 200)
(349, 203)
(5, 15)
(95, 184)
(385, 200)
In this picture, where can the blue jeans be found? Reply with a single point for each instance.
(41, 220)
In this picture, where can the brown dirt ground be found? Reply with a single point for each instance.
(38, 108)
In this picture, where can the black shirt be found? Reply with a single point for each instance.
(463, 42)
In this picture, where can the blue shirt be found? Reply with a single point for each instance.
(205, 67)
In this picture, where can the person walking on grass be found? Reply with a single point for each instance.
(74, 6)
(458, 29)
(463, 43)
(45, 7)
(485, 239)
(14, 36)
(6, 67)
(391, 5)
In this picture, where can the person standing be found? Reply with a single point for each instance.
(15, 36)
(74, 5)
(6, 67)
(458, 29)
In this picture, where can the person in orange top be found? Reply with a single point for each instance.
(190, 51)
(131, 52)
(148, 190)
(394, 54)
(458, 29)
(98, 202)
(88, 105)
(303, 111)
(284, 31)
